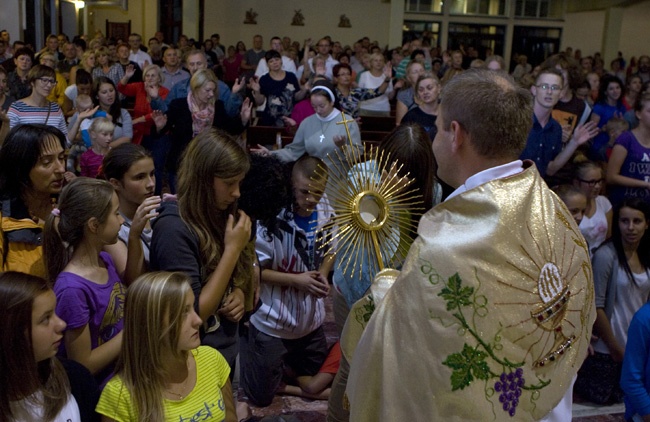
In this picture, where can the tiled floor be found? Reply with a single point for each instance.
(296, 409)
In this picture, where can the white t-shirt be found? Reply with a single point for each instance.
(594, 228)
(145, 237)
(367, 80)
(71, 92)
(26, 411)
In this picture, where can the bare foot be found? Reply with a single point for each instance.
(243, 411)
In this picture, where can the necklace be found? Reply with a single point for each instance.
(323, 129)
(180, 396)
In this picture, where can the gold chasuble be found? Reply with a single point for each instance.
(490, 318)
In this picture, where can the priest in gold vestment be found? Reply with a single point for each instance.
(491, 316)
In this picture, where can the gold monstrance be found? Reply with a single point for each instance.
(373, 208)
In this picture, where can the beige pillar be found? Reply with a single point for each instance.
(396, 23)
(191, 19)
(612, 34)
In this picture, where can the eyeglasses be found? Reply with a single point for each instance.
(47, 81)
(591, 182)
(546, 87)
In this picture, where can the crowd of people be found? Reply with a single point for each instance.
(153, 264)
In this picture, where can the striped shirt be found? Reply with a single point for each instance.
(204, 403)
(21, 113)
(114, 73)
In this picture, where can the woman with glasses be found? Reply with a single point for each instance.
(36, 108)
(596, 224)
(58, 92)
(627, 170)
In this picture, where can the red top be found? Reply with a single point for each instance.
(142, 107)
(333, 360)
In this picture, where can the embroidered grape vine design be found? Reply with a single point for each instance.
(472, 362)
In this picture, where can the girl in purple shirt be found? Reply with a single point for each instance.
(628, 171)
(89, 292)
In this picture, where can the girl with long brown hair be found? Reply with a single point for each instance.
(206, 237)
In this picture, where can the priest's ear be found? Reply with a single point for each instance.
(460, 136)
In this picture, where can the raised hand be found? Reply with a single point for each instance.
(129, 71)
(254, 84)
(239, 84)
(585, 132)
(246, 111)
(159, 119)
(388, 70)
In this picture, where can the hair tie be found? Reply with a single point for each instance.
(56, 212)
(326, 89)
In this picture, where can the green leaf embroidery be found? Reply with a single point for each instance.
(467, 365)
(456, 295)
(368, 308)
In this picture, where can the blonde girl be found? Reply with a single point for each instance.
(101, 135)
(163, 373)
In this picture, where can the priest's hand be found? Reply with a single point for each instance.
(311, 282)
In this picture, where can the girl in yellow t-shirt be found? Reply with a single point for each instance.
(163, 373)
